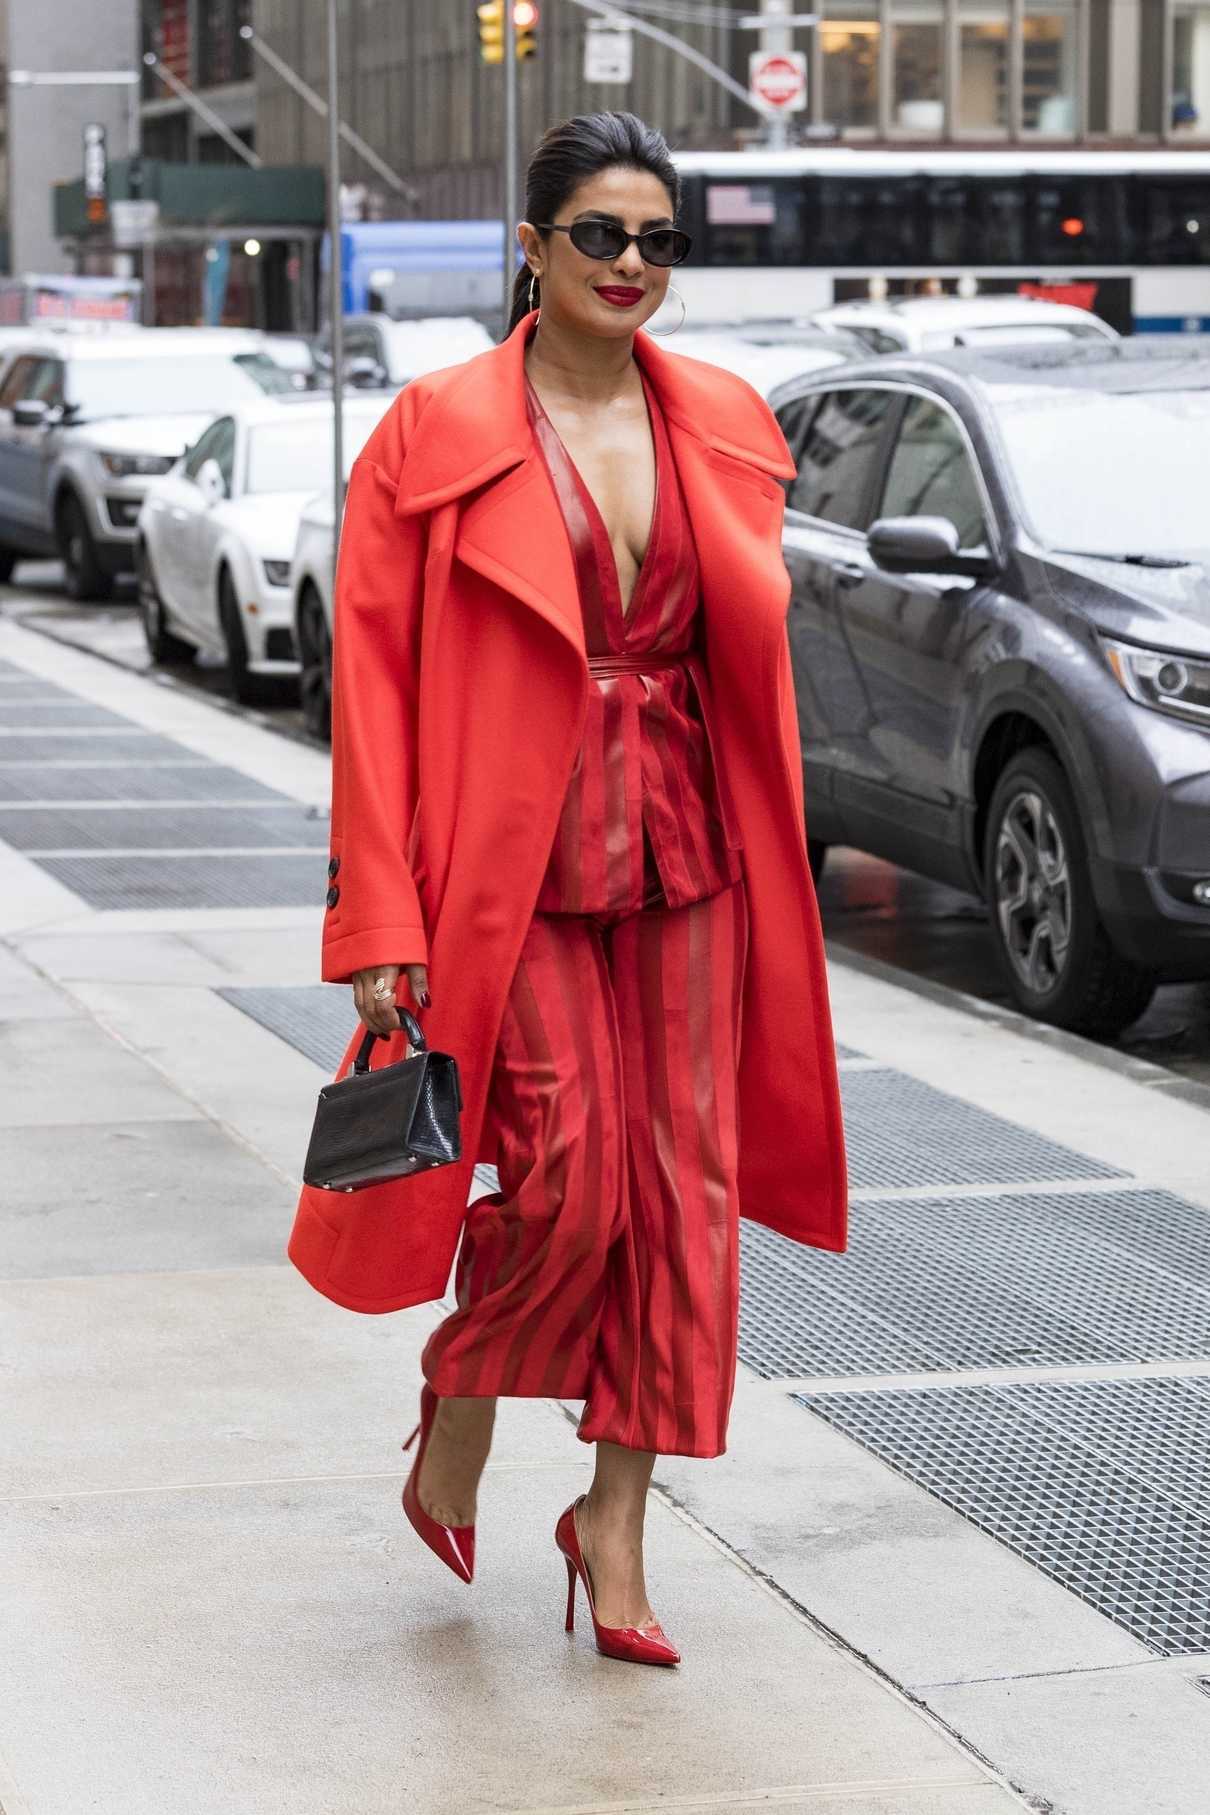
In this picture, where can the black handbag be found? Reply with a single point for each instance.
(371, 1126)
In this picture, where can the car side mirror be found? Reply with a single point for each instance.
(923, 545)
(30, 413)
(365, 372)
(211, 482)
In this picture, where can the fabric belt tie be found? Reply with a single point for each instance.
(633, 662)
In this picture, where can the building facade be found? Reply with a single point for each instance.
(933, 72)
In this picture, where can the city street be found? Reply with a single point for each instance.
(954, 1561)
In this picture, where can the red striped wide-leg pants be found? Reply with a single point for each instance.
(606, 1266)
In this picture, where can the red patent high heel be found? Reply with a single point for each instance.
(648, 1644)
(454, 1544)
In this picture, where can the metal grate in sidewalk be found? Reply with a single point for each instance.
(37, 829)
(1098, 1484)
(901, 1132)
(107, 780)
(246, 879)
(316, 1019)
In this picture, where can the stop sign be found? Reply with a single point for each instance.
(779, 78)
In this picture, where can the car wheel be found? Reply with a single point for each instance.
(163, 646)
(246, 688)
(817, 856)
(1053, 947)
(8, 560)
(315, 659)
(84, 577)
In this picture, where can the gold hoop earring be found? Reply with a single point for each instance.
(663, 333)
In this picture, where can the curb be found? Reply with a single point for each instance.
(1010, 1021)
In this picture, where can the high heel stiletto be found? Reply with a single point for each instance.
(648, 1644)
(454, 1544)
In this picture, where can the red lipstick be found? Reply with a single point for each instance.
(620, 295)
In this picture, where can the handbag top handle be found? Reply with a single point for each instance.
(414, 1031)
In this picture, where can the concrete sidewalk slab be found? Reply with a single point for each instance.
(137, 1197)
(291, 1647)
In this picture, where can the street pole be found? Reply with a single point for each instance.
(776, 39)
(335, 296)
(510, 159)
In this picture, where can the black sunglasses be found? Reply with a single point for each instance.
(608, 240)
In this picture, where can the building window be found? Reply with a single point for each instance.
(849, 36)
(223, 56)
(1048, 77)
(982, 66)
(916, 65)
(1189, 107)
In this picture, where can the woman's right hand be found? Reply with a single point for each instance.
(379, 1012)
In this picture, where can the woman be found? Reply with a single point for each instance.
(567, 800)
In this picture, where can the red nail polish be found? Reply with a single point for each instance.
(426, 1000)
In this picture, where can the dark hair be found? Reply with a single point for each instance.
(568, 154)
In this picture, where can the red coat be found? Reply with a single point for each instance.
(460, 686)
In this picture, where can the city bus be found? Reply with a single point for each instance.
(784, 234)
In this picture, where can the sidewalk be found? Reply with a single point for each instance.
(956, 1562)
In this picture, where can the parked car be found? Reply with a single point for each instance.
(311, 573)
(87, 420)
(917, 324)
(216, 535)
(1000, 628)
(767, 354)
(382, 353)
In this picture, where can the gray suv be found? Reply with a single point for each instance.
(85, 423)
(1000, 627)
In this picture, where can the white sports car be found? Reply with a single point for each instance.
(216, 535)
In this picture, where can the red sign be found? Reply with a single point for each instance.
(779, 80)
(1080, 295)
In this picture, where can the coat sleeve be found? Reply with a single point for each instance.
(373, 911)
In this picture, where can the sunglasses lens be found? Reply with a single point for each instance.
(597, 239)
(664, 246)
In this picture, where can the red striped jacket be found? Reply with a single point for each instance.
(644, 818)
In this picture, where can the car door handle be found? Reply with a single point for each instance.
(849, 573)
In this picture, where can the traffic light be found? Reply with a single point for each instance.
(491, 29)
(525, 19)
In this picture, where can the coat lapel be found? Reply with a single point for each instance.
(473, 442)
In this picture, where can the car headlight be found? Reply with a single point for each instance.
(277, 572)
(132, 466)
(1176, 684)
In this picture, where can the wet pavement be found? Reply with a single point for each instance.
(924, 928)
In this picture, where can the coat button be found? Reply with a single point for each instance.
(333, 896)
(333, 866)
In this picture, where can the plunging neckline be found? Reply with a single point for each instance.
(625, 609)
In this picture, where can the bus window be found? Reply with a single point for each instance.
(1080, 220)
(864, 221)
(973, 221)
(1175, 221)
(754, 223)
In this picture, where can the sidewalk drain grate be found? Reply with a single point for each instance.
(139, 746)
(1046, 1280)
(204, 781)
(316, 1019)
(902, 1132)
(193, 882)
(22, 715)
(1097, 1484)
(36, 829)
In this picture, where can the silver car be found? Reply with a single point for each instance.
(85, 423)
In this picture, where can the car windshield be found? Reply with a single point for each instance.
(1110, 473)
(290, 456)
(159, 387)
